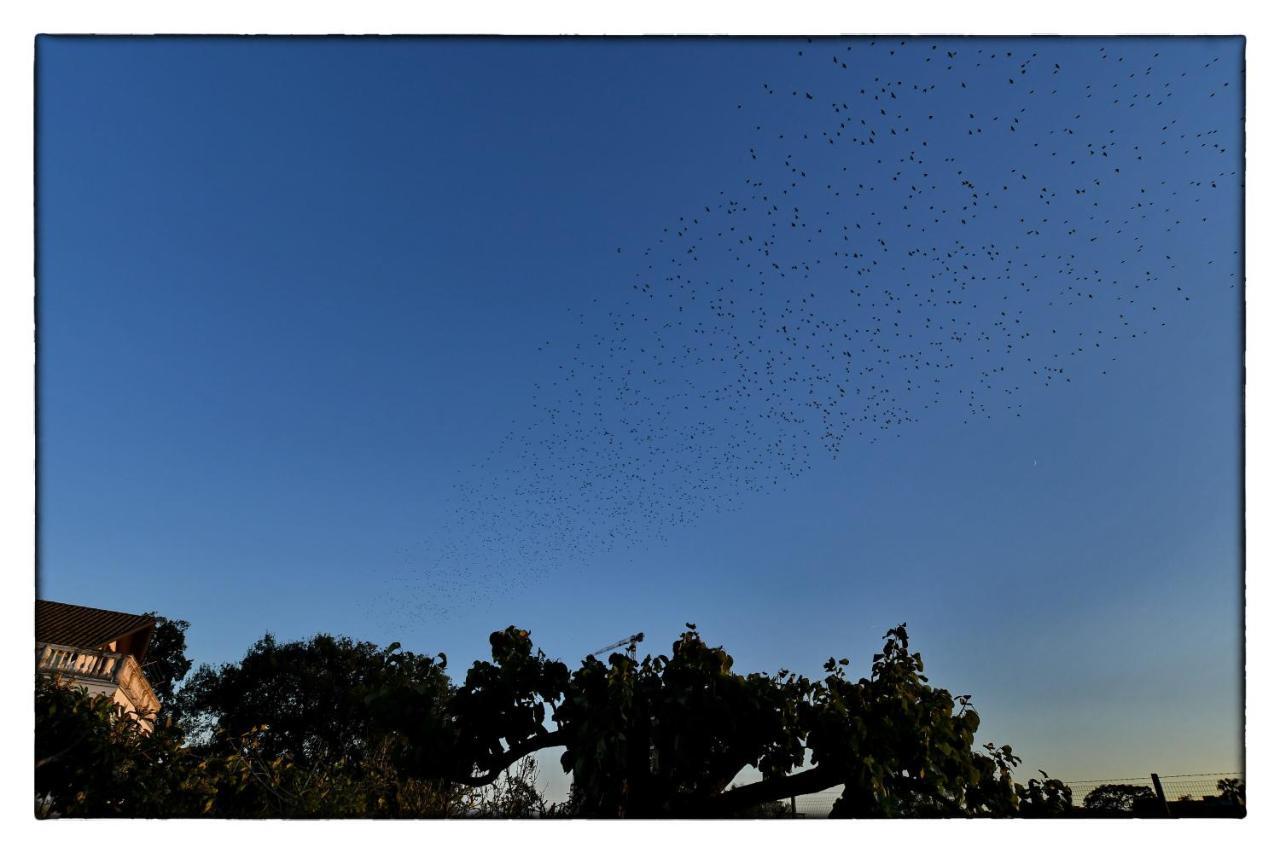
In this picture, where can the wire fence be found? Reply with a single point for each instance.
(1196, 786)
(1176, 787)
(1185, 793)
(1080, 790)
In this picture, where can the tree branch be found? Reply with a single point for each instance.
(806, 782)
(511, 756)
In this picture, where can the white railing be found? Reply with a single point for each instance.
(97, 665)
(85, 663)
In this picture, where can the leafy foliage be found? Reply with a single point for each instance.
(897, 745)
(1231, 792)
(92, 759)
(312, 700)
(252, 782)
(514, 795)
(665, 735)
(167, 662)
(1044, 797)
(320, 728)
(329, 727)
(1119, 798)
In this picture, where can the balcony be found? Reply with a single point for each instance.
(108, 673)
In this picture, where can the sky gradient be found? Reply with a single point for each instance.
(295, 297)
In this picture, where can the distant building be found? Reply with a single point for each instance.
(101, 650)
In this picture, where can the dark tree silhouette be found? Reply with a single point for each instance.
(1119, 798)
(167, 662)
(330, 727)
(309, 700)
(94, 760)
(667, 736)
(1231, 792)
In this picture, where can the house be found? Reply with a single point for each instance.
(100, 650)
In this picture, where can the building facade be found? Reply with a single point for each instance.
(100, 650)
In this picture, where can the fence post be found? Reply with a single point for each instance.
(1164, 804)
(793, 805)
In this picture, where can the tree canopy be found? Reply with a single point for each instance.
(666, 736)
(309, 700)
(167, 662)
(334, 727)
(1119, 798)
(92, 759)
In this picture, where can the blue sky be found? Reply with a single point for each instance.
(305, 307)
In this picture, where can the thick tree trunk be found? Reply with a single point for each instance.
(767, 790)
(511, 756)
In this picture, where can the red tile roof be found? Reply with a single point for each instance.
(90, 627)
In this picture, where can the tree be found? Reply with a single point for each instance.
(329, 727)
(317, 727)
(1231, 792)
(1119, 798)
(312, 700)
(667, 735)
(95, 760)
(167, 662)
(92, 759)
(1044, 797)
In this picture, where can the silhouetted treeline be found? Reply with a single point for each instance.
(330, 727)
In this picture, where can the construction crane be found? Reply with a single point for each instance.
(630, 642)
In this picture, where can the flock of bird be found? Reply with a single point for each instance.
(925, 228)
